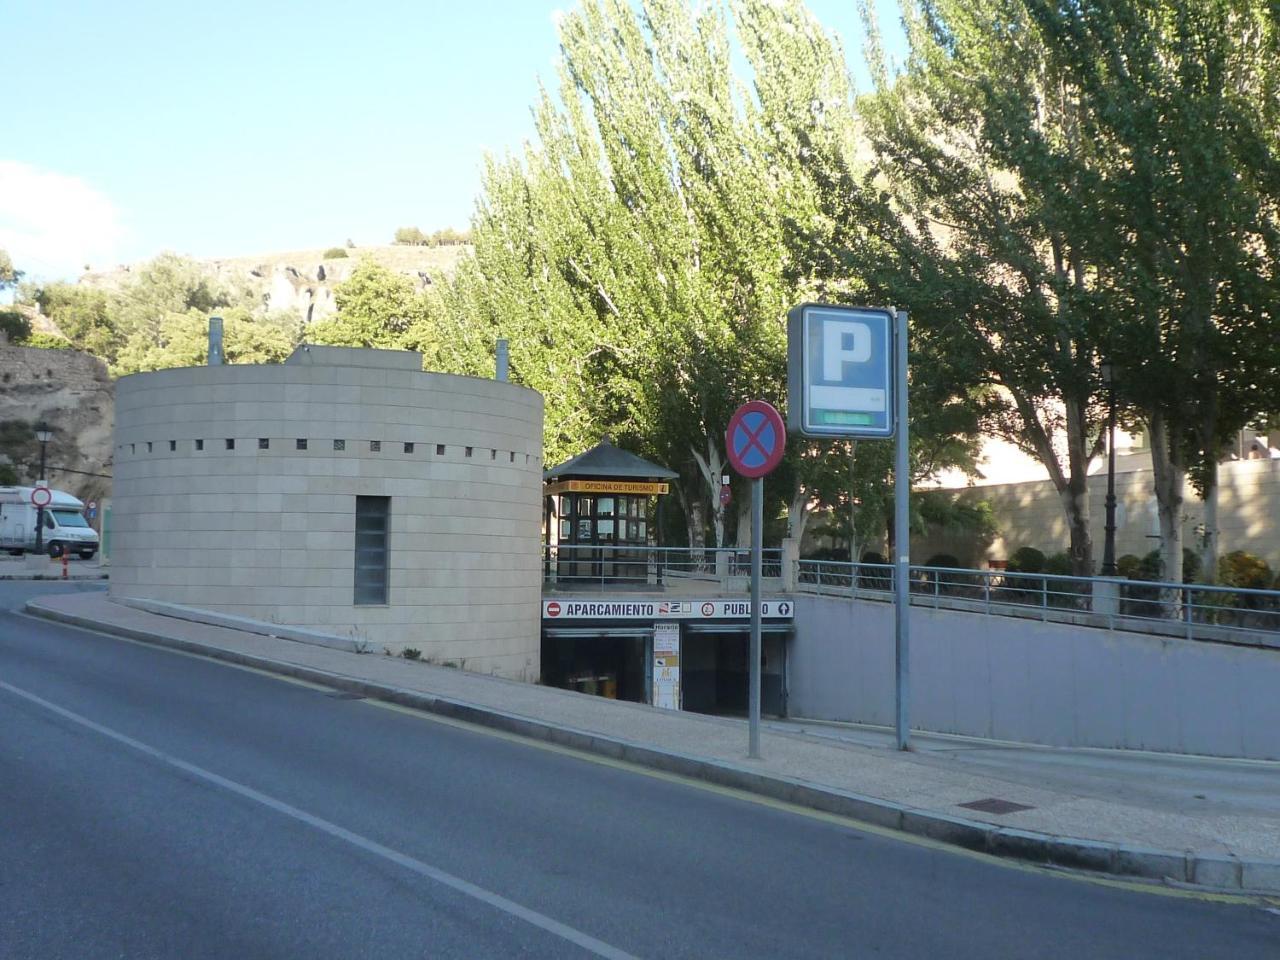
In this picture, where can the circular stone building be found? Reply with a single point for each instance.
(343, 491)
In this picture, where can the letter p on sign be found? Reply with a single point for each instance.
(844, 341)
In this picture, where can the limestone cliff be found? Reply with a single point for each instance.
(72, 393)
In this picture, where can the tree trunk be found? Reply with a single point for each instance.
(744, 520)
(696, 519)
(798, 515)
(1170, 481)
(854, 553)
(1075, 492)
(1209, 542)
(711, 467)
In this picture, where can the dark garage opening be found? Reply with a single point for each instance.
(607, 664)
(714, 670)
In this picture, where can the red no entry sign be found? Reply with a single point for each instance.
(756, 439)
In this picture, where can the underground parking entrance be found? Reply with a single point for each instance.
(686, 655)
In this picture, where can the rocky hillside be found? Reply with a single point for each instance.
(303, 280)
(71, 392)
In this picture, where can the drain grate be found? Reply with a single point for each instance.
(995, 805)
(343, 695)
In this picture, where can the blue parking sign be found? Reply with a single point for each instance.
(840, 371)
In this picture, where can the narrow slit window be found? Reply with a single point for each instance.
(264, 443)
(468, 452)
(300, 443)
(173, 445)
(231, 444)
(439, 449)
(373, 521)
(408, 448)
(199, 444)
(375, 446)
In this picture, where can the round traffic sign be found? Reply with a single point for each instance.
(756, 439)
(41, 497)
(93, 504)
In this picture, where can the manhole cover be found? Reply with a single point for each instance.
(343, 695)
(995, 805)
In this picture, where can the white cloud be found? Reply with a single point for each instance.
(53, 224)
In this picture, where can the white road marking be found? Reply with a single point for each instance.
(533, 917)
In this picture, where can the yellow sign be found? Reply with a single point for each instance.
(606, 486)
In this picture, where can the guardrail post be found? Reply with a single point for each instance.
(986, 591)
(790, 563)
(1044, 597)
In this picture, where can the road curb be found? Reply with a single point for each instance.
(53, 576)
(1216, 873)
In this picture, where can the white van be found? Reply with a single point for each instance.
(65, 528)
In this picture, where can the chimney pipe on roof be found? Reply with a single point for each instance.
(501, 371)
(215, 341)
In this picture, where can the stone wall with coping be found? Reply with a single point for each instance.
(261, 528)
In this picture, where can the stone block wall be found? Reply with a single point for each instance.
(218, 506)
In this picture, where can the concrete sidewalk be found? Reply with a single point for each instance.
(1233, 846)
(34, 566)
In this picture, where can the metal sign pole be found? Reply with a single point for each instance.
(902, 548)
(755, 442)
(757, 540)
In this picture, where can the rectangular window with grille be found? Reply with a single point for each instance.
(373, 550)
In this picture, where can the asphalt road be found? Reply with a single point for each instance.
(159, 805)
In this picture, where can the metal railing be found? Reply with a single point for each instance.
(1188, 609)
(570, 566)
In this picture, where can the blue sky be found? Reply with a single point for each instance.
(245, 127)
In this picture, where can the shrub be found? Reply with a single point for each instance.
(875, 579)
(15, 325)
(1150, 567)
(1026, 560)
(411, 237)
(335, 253)
(1239, 568)
(942, 560)
(1059, 564)
(47, 341)
(1130, 566)
(411, 653)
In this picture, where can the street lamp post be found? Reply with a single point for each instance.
(44, 435)
(1109, 543)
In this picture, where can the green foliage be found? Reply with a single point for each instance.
(15, 325)
(411, 653)
(9, 275)
(411, 237)
(8, 475)
(1243, 569)
(335, 253)
(1058, 564)
(1026, 560)
(377, 307)
(47, 341)
(943, 560)
(85, 316)
(1151, 567)
(159, 318)
(641, 255)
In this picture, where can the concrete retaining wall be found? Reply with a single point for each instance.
(1049, 683)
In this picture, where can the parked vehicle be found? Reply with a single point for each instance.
(65, 528)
